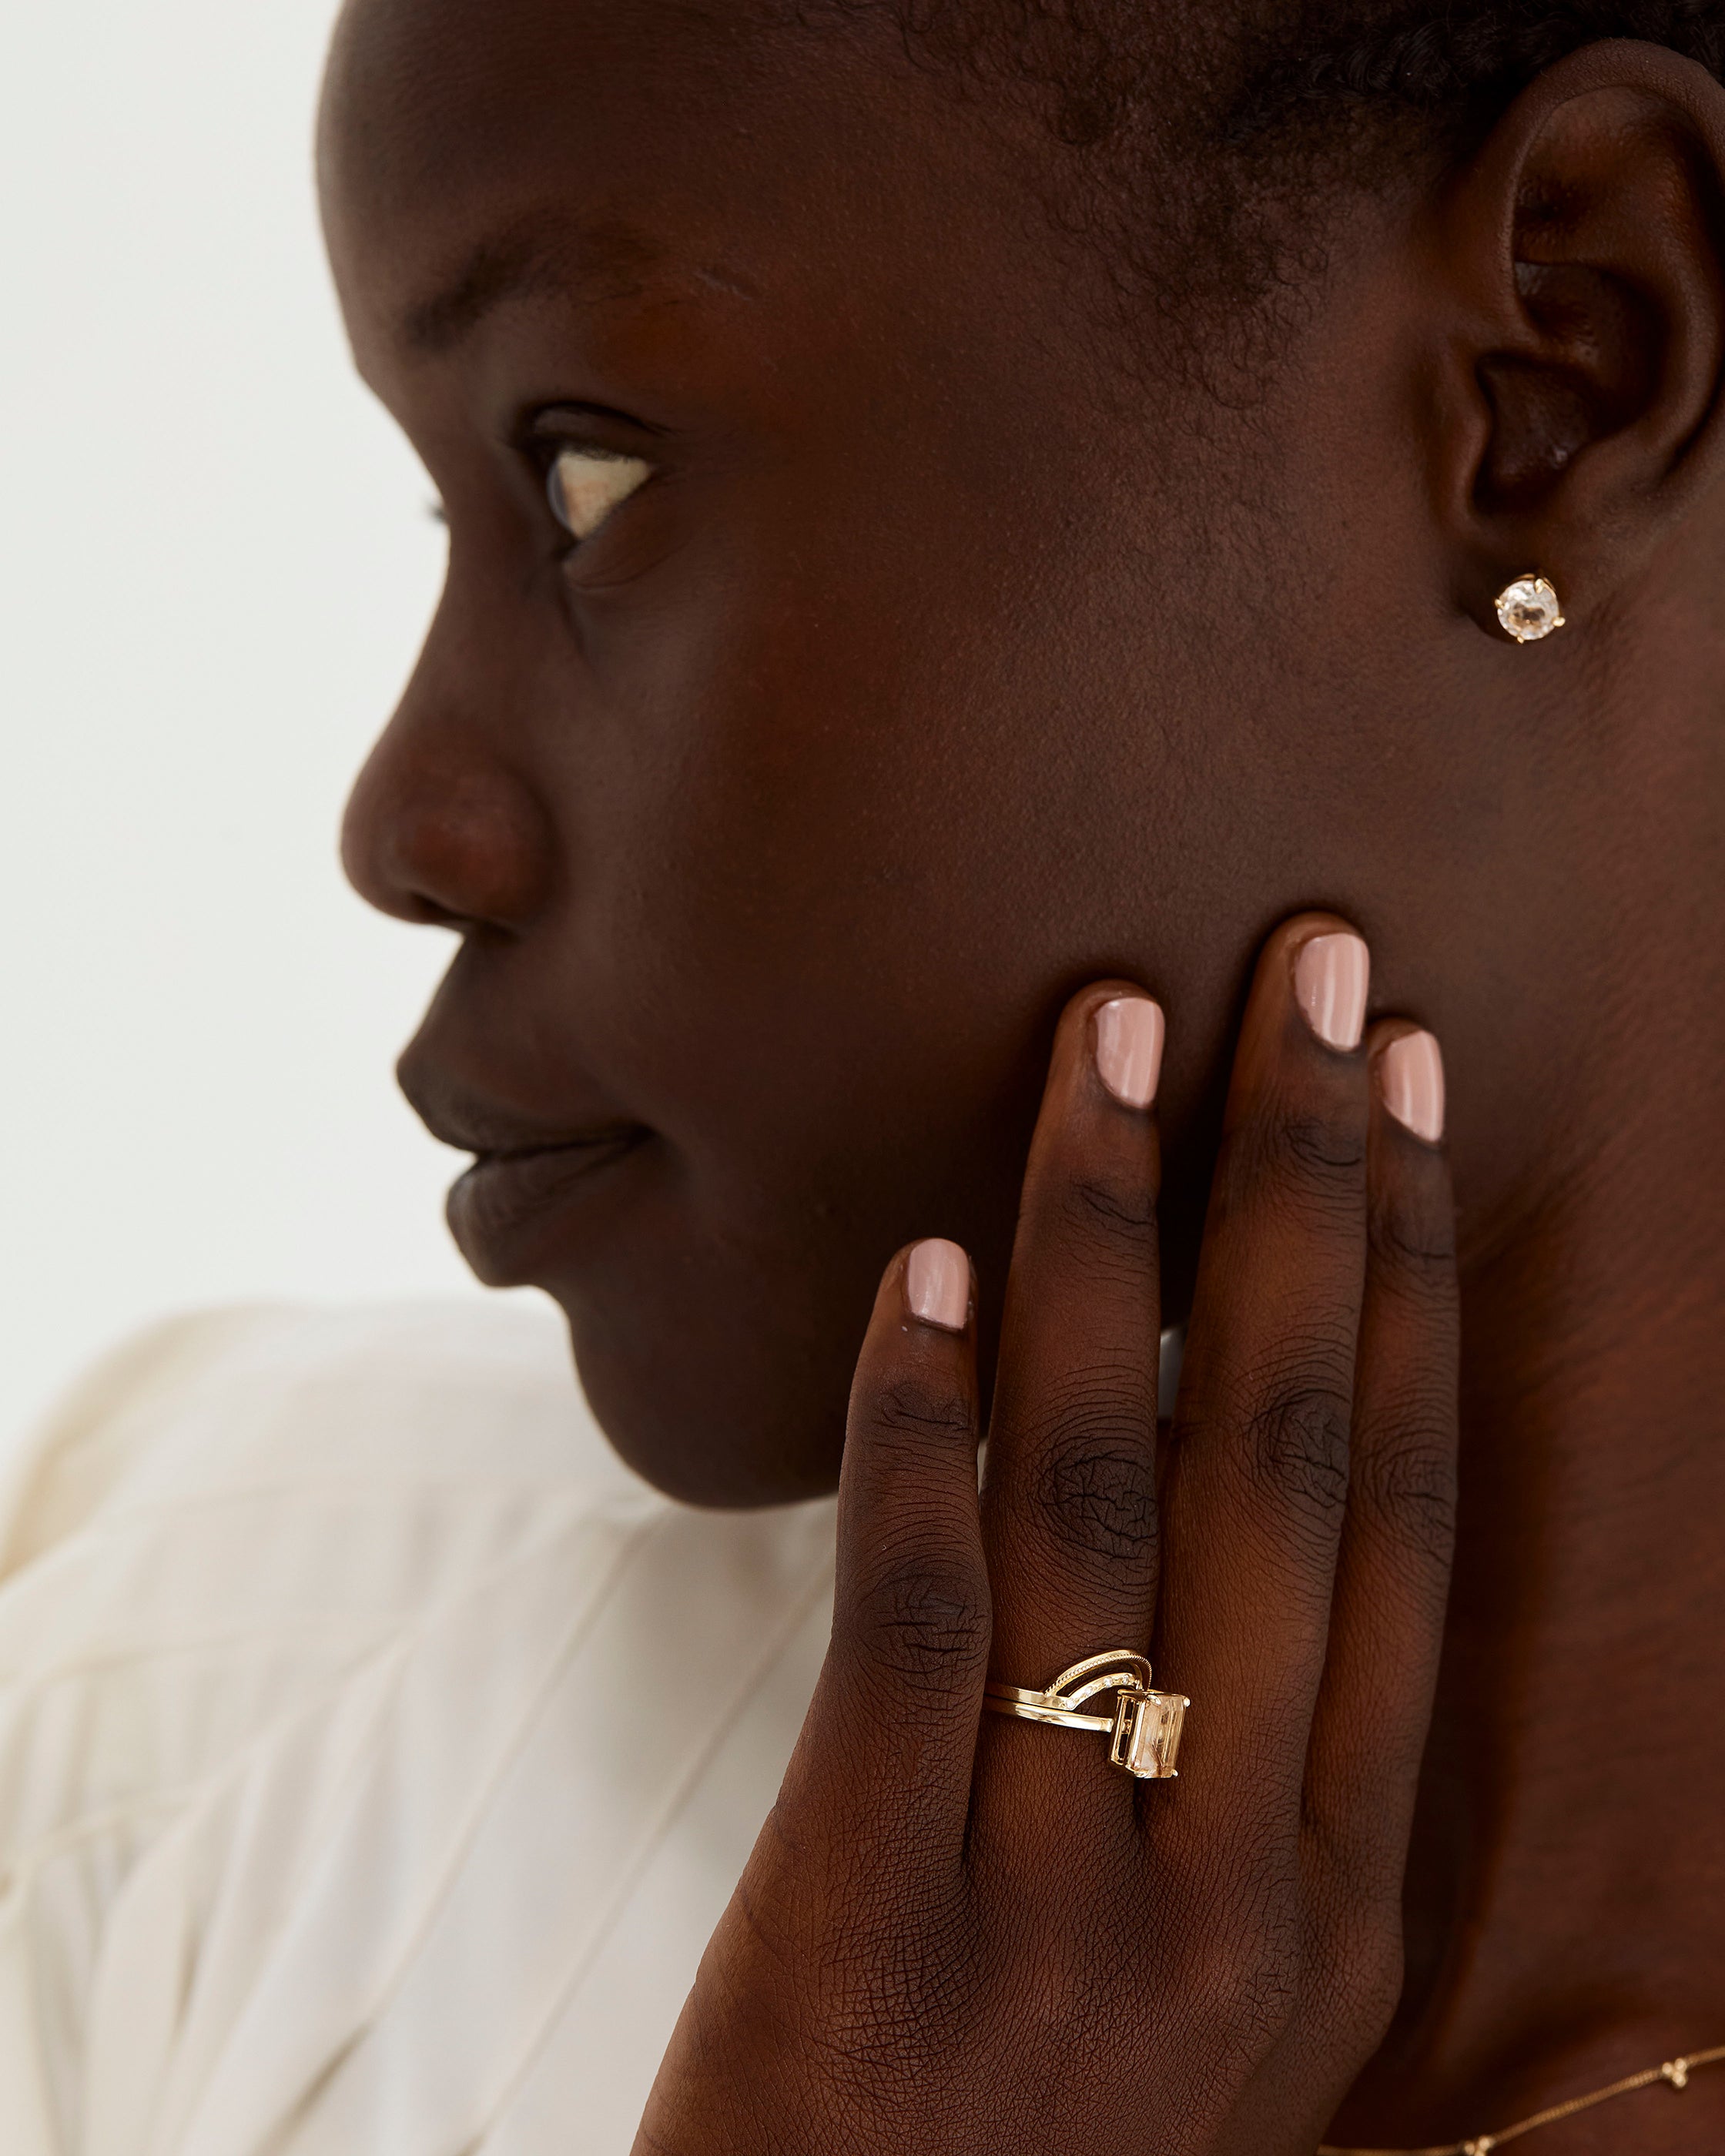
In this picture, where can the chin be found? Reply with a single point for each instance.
(719, 1366)
(759, 1426)
(716, 1318)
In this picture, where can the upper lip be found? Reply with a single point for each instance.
(471, 1123)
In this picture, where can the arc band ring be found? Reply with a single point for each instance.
(1144, 1729)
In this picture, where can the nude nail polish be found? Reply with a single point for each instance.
(1410, 1076)
(1332, 975)
(1130, 1033)
(937, 1284)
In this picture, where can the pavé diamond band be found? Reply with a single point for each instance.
(1143, 1730)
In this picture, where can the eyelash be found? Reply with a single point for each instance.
(546, 452)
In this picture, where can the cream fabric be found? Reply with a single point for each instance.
(377, 1753)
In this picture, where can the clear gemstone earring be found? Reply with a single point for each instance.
(1528, 609)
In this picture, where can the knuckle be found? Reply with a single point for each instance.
(1296, 1447)
(1320, 1147)
(1112, 1222)
(1417, 1252)
(914, 1410)
(1096, 1486)
(924, 1624)
(1321, 1157)
(1407, 1486)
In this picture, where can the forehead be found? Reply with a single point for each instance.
(471, 150)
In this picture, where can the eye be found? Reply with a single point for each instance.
(585, 485)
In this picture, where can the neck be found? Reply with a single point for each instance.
(1566, 1897)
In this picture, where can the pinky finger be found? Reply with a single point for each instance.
(1393, 1574)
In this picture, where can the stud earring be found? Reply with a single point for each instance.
(1528, 609)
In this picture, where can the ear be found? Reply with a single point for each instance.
(1581, 377)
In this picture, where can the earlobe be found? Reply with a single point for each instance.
(1587, 235)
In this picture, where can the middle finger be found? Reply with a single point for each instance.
(1258, 1482)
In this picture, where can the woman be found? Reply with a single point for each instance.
(958, 516)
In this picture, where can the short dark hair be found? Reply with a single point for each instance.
(1455, 65)
(1231, 114)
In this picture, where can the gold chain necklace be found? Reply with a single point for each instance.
(1675, 2073)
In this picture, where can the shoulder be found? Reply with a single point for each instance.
(329, 1643)
(306, 1480)
(216, 1401)
(232, 1516)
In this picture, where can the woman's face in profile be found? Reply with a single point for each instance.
(846, 651)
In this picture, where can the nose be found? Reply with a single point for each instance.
(440, 827)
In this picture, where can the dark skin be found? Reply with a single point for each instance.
(781, 818)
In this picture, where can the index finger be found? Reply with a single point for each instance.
(886, 1755)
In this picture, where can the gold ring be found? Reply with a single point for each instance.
(1144, 1728)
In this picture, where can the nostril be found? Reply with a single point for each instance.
(448, 843)
(425, 912)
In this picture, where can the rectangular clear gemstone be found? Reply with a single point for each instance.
(1147, 1733)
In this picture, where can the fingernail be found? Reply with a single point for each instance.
(937, 1284)
(1130, 1032)
(1332, 975)
(1410, 1076)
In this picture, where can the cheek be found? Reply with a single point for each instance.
(828, 1020)
(846, 800)
(717, 1326)
(792, 914)
(842, 839)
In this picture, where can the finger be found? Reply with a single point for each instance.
(1392, 1573)
(886, 1753)
(1069, 1501)
(1258, 1482)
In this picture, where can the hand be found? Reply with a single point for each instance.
(963, 1932)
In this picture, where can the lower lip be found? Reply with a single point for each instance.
(500, 1208)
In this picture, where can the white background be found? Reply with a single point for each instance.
(216, 561)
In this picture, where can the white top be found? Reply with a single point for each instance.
(376, 1752)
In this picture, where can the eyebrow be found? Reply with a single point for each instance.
(539, 256)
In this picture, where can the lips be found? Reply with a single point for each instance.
(505, 1200)
(524, 1173)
